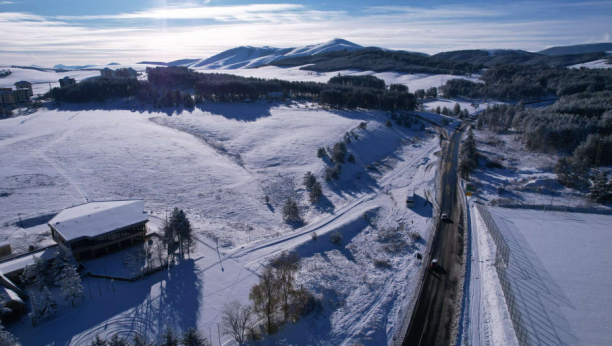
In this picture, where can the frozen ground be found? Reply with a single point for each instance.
(217, 163)
(563, 296)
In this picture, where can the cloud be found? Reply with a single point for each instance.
(202, 31)
(6, 2)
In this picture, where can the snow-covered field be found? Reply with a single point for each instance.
(218, 163)
(593, 64)
(558, 276)
(413, 81)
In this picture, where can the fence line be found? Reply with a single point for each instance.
(562, 208)
(502, 258)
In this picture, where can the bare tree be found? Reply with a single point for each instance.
(237, 320)
(265, 297)
(285, 267)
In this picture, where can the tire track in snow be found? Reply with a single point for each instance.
(65, 175)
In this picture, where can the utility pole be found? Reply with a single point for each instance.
(20, 223)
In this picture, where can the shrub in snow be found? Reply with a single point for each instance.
(291, 211)
(267, 199)
(314, 236)
(347, 138)
(382, 263)
(351, 158)
(315, 193)
(414, 235)
(237, 320)
(388, 124)
(321, 152)
(419, 256)
(336, 238)
(363, 125)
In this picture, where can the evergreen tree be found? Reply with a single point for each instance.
(188, 100)
(169, 338)
(63, 258)
(36, 310)
(139, 340)
(351, 158)
(70, 283)
(116, 340)
(309, 180)
(457, 109)
(601, 189)
(6, 338)
(291, 211)
(98, 341)
(315, 193)
(321, 152)
(338, 152)
(438, 110)
(49, 304)
(192, 337)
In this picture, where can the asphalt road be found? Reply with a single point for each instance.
(432, 318)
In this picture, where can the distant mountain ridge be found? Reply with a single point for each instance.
(507, 56)
(248, 57)
(578, 49)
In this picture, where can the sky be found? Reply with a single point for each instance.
(49, 32)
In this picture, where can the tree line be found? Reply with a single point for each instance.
(378, 60)
(361, 92)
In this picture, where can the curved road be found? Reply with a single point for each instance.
(432, 318)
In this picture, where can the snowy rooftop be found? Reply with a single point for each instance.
(97, 218)
(561, 274)
(18, 263)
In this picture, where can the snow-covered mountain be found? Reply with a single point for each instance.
(246, 57)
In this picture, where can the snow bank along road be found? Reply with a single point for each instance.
(433, 315)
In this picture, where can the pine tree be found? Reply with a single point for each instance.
(169, 338)
(36, 311)
(70, 283)
(438, 110)
(192, 337)
(351, 158)
(49, 303)
(291, 211)
(309, 180)
(116, 340)
(6, 338)
(601, 189)
(98, 341)
(456, 109)
(315, 193)
(63, 258)
(139, 340)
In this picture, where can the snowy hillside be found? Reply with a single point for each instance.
(246, 57)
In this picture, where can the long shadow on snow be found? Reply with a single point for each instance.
(315, 328)
(177, 306)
